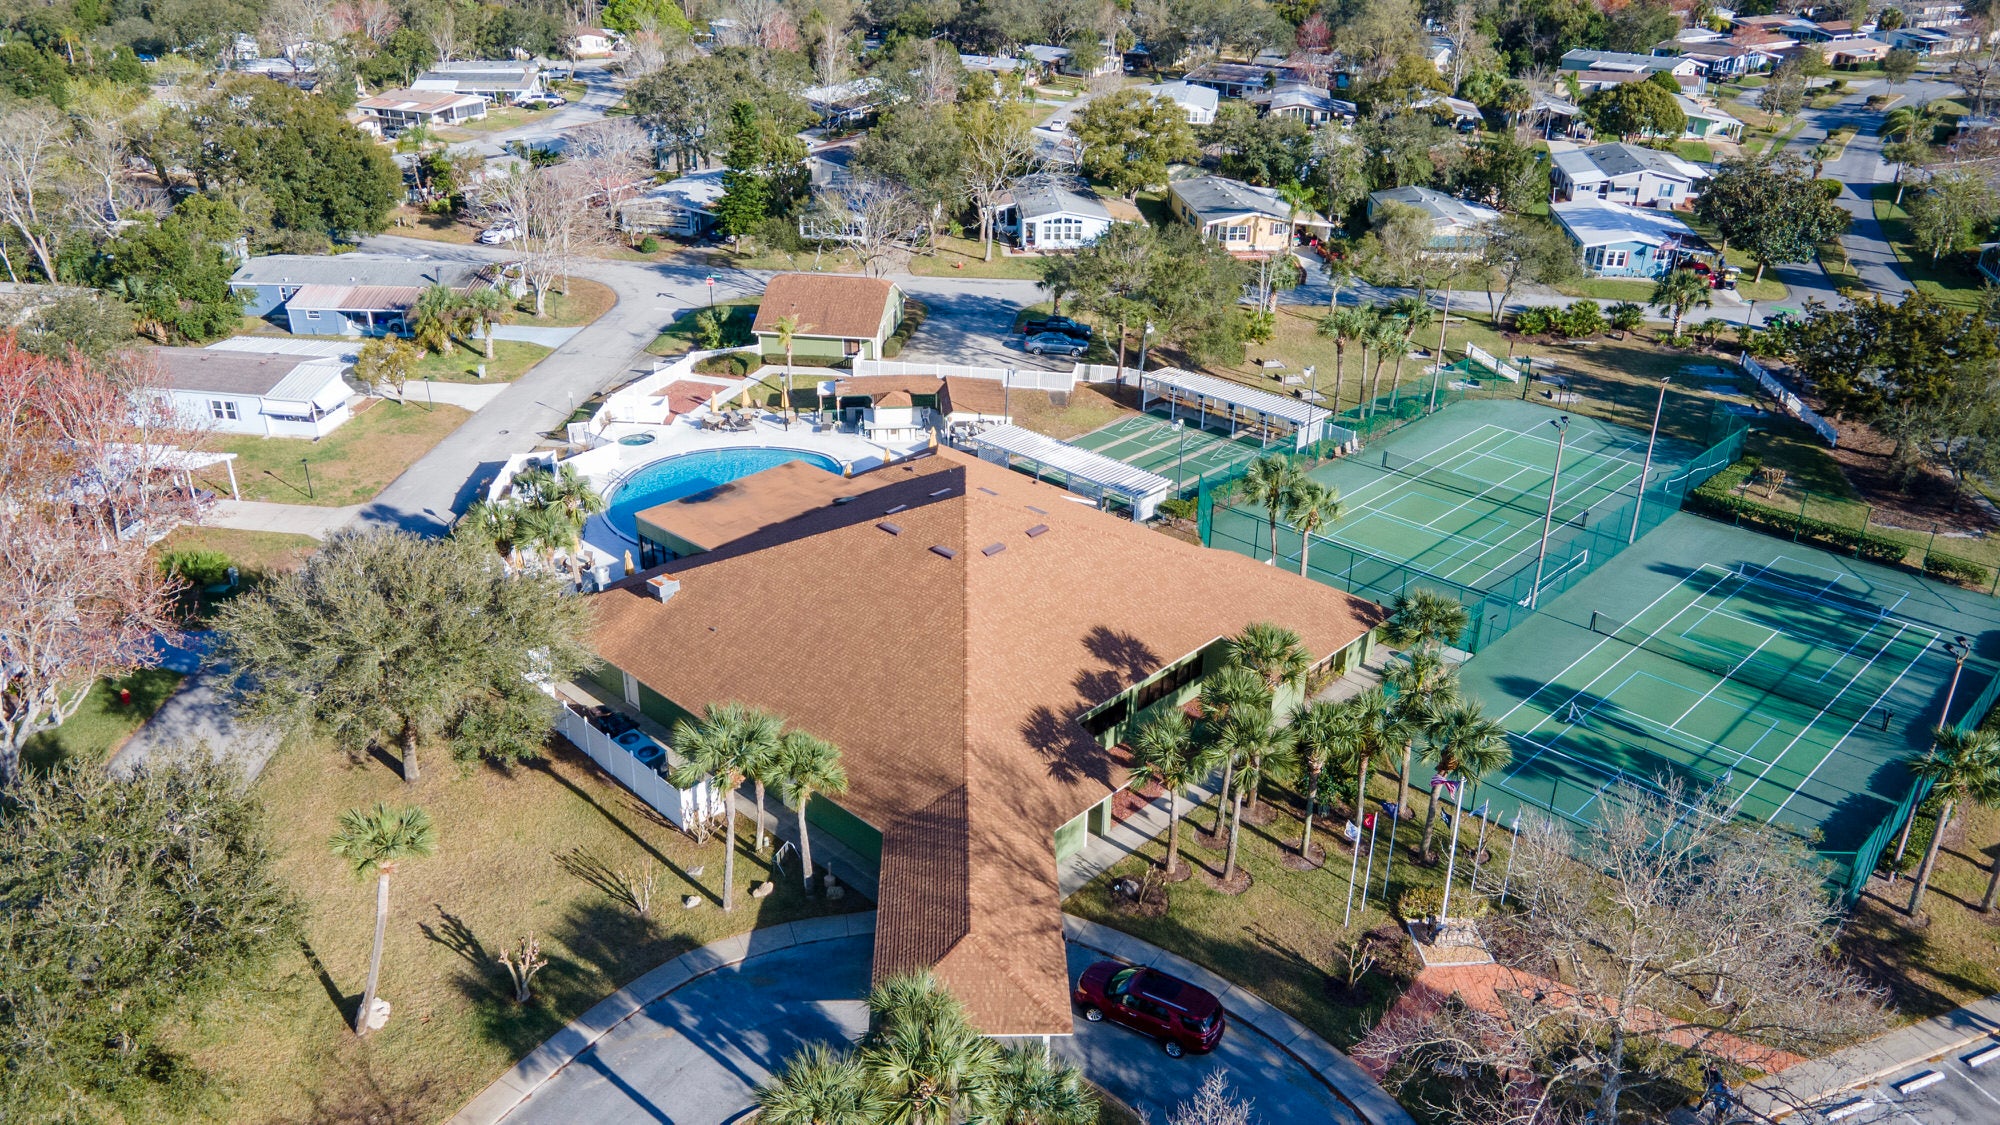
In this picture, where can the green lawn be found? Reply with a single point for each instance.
(255, 554)
(348, 466)
(1697, 151)
(103, 723)
(1953, 278)
(965, 257)
(574, 302)
(679, 337)
(511, 359)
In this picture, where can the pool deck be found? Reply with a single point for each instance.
(608, 464)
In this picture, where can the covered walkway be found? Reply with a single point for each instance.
(1081, 471)
(1271, 419)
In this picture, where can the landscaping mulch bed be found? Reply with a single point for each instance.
(1931, 499)
(1293, 861)
(1235, 886)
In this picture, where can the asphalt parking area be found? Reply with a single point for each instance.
(974, 326)
(1966, 1091)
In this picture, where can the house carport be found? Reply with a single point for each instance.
(1094, 475)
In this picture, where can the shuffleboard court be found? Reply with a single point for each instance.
(1184, 454)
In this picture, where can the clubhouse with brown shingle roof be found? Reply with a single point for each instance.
(977, 644)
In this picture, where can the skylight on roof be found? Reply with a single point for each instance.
(992, 549)
(895, 509)
(941, 492)
(891, 528)
(944, 551)
(1038, 531)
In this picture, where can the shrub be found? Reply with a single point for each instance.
(1715, 501)
(734, 365)
(1535, 321)
(708, 328)
(1626, 316)
(914, 313)
(649, 245)
(1829, 188)
(198, 568)
(1581, 319)
(1179, 510)
(1951, 568)
(1711, 329)
(1419, 902)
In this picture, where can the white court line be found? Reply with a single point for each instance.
(1529, 528)
(1798, 591)
(1838, 742)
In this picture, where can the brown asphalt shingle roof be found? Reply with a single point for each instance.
(827, 304)
(953, 685)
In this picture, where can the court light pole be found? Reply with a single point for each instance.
(1958, 648)
(1180, 458)
(1549, 518)
(1647, 471)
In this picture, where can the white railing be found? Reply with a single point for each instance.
(685, 807)
(1790, 402)
(1501, 367)
(1029, 379)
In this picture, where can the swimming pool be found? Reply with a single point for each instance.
(671, 478)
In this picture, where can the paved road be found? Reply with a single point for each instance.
(695, 1056)
(1964, 1096)
(1859, 168)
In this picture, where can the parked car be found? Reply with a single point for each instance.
(643, 747)
(1055, 343)
(1182, 1016)
(1061, 324)
(542, 101)
(499, 235)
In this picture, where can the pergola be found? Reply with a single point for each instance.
(1272, 418)
(1081, 471)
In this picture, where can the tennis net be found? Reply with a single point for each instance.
(1569, 515)
(1847, 698)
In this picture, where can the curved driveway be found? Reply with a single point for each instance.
(694, 1056)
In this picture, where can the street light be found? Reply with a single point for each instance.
(1647, 471)
(307, 466)
(1549, 518)
(1749, 318)
(1145, 338)
(1958, 648)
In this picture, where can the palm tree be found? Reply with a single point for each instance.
(764, 770)
(819, 1087)
(1463, 742)
(1426, 620)
(483, 310)
(1253, 737)
(1269, 481)
(1962, 766)
(786, 329)
(570, 493)
(432, 319)
(1410, 316)
(1165, 753)
(374, 841)
(1384, 336)
(1821, 153)
(1031, 1088)
(491, 521)
(1313, 506)
(1345, 326)
(1678, 291)
(809, 765)
(1323, 731)
(1230, 690)
(1423, 683)
(729, 741)
(923, 1055)
(1279, 657)
(546, 529)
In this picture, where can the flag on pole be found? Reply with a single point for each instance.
(1481, 810)
(1368, 820)
(1353, 832)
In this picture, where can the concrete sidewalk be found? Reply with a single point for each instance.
(1859, 1065)
(290, 519)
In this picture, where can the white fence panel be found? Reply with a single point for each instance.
(1505, 370)
(1027, 379)
(1790, 402)
(682, 806)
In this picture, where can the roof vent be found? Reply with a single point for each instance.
(992, 549)
(1038, 530)
(1036, 510)
(941, 492)
(662, 587)
(891, 528)
(895, 509)
(987, 491)
(944, 551)
(845, 499)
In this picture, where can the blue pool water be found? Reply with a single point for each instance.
(674, 477)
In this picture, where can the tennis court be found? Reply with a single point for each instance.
(1184, 455)
(1768, 684)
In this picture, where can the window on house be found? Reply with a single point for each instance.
(1614, 259)
(312, 315)
(850, 347)
(222, 410)
(1666, 191)
(1280, 230)
(1062, 230)
(1236, 234)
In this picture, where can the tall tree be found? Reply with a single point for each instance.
(808, 765)
(1426, 687)
(1345, 326)
(1229, 690)
(1130, 137)
(374, 841)
(1313, 506)
(1259, 744)
(998, 157)
(324, 178)
(1463, 744)
(85, 467)
(923, 1054)
(1110, 277)
(387, 637)
(1527, 249)
(1166, 753)
(1278, 655)
(1268, 483)
(1677, 292)
(724, 747)
(1635, 109)
(922, 149)
(818, 1086)
(1772, 207)
(1962, 767)
(126, 903)
(1954, 211)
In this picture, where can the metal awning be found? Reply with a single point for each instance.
(1074, 462)
(1296, 411)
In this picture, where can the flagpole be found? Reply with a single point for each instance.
(1512, 847)
(1370, 873)
(1388, 861)
(1451, 858)
(1353, 865)
(1472, 884)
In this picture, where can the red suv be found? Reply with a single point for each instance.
(1182, 1016)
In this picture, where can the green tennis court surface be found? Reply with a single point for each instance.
(1738, 681)
(1151, 442)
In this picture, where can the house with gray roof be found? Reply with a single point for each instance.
(1619, 241)
(1248, 221)
(496, 79)
(1307, 103)
(262, 393)
(348, 294)
(1623, 173)
(1197, 103)
(682, 207)
(1052, 217)
(1456, 224)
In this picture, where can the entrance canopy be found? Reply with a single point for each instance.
(1272, 419)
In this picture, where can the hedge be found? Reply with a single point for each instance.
(1708, 501)
(1951, 568)
(914, 313)
(733, 364)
